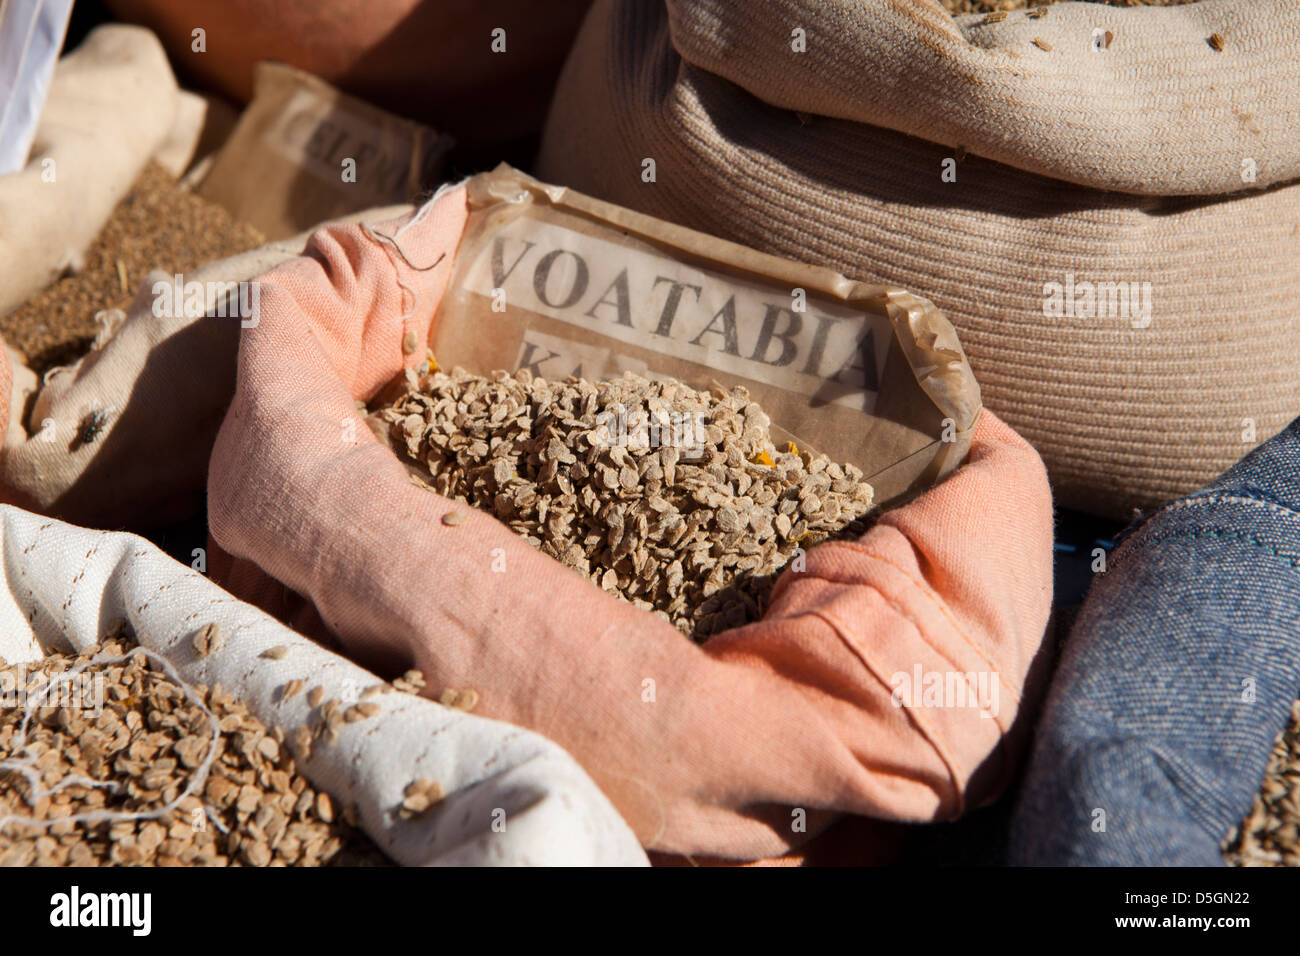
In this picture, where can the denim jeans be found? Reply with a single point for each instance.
(1178, 675)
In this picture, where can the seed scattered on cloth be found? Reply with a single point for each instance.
(465, 700)
(1042, 44)
(292, 689)
(1216, 41)
(152, 771)
(412, 682)
(315, 696)
(1270, 834)
(419, 797)
(302, 742)
(277, 653)
(208, 640)
(686, 519)
(453, 518)
(355, 713)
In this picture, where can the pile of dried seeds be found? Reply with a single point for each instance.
(157, 225)
(1270, 835)
(672, 498)
(122, 736)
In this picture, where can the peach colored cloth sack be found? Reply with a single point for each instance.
(743, 748)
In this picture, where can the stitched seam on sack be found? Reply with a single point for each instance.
(1212, 498)
(1136, 531)
(927, 733)
(1142, 540)
(1211, 532)
(930, 595)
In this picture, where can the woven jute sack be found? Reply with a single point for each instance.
(742, 748)
(161, 373)
(512, 797)
(112, 104)
(995, 168)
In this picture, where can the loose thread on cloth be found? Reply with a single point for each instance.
(390, 242)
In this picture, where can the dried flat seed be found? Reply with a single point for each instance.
(302, 742)
(467, 700)
(315, 696)
(1216, 41)
(419, 797)
(292, 689)
(277, 653)
(208, 640)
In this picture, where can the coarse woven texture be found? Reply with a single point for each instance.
(62, 586)
(1270, 835)
(1180, 671)
(157, 225)
(163, 382)
(1126, 413)
(992, 6)
(111, 105)
(673, 499)
(108, 758)
(1062, 109)
(705, 750)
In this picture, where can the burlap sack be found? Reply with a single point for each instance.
(741, 748)
(1172, 165)
(111, 105)
(304, 152)
(201, 124)
(512, 796)
(162, 377)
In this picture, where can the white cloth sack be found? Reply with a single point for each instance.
(64, 586)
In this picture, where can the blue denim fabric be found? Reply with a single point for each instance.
(1150, 716)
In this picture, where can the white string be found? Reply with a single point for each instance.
(391, 242)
